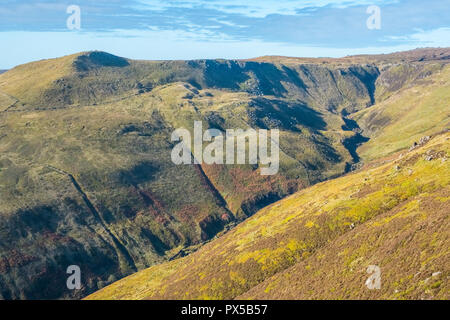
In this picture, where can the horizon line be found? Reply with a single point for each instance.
(235, 59)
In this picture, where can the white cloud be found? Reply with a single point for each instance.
(433, 38)
(181, 45)
(255, 9)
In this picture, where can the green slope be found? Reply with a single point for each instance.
(419, 108)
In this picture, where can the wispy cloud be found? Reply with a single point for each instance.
(338, 24)
(318, 22)
(257, 9)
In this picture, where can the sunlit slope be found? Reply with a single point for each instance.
(319, 242)
(28, 82)
(86, 78)
(420, 107)
(6, 101)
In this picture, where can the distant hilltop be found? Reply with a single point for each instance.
(416, 55)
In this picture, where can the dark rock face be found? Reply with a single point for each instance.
(97, 59)
(252, 205)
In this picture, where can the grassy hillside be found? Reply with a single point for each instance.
(28, 82)
(319, 242)
(419, 108)
(85, 170)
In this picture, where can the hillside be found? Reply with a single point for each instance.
(419, 109)
(85, 170)
(319, 242)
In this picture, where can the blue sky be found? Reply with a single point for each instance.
(191, 29)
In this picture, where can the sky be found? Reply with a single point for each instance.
(207, 29)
